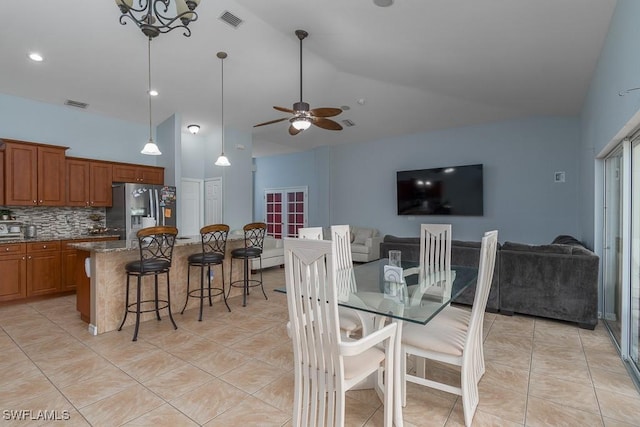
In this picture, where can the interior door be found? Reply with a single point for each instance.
(191, 211)
(213, 201)
(285, 211)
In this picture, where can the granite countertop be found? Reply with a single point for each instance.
(128, 245)
(51, 238)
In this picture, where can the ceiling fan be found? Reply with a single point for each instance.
(303, 117)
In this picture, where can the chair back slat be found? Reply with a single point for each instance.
(254, 234)
(483, 286)
(214, 238)
(346, 281)
(314, 233)
(315, 330)
(156, 243)
(435, 248)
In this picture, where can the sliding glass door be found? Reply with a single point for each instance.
(613, 244)
(634, 291)
(621, 250)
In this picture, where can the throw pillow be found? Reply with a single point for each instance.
(362, 236)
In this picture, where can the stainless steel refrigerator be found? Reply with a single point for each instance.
(137, 206)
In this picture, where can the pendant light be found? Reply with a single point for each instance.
(222, 160)
(150, 147)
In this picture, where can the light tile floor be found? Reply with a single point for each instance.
(235, 369)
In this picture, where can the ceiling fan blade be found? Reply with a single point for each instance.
(284, 110)
(293, 131)
(270, 122)
(325, 112)
(326, 123)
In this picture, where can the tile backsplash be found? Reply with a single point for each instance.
(58, 221)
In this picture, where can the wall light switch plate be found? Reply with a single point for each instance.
(559, 177)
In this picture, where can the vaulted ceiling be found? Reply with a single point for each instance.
(415, 66)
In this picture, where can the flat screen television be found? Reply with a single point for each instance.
(453, 190)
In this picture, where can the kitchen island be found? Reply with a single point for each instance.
(101, 297)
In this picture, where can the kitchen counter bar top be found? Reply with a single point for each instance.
(128, 245)
(53, 238)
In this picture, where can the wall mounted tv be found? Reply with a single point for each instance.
(454, 190)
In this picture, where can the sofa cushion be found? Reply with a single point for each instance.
(362, 235)
(273, 252)
(577, 250)
(567, 240)
(393, 239)
(360, 249)
(547, 249)
(464, 244)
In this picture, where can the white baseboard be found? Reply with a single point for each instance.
(93, 330)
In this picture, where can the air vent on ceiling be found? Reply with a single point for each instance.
(231, 19)
(348, 123)
(76, 104)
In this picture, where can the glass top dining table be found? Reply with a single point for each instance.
(401, 294)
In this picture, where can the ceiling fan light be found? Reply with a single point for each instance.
(151, 149)
(301, 123)
(222, 161)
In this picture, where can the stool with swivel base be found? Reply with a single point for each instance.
(214, 242)
(156, 249)
(253, 242)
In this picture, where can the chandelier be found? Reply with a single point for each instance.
(154, 16)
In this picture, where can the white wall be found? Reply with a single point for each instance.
(87, 134)
(520, 157)
(605, 112)
(309, 168)
(237, 183)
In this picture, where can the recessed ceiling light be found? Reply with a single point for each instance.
(383, 3)
(36, 57)
(153, 92)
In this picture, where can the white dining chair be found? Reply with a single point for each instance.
(448, 341)
(314, 233)
(351, 320)
(325, 364)
(435, 257)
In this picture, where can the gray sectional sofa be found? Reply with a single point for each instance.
(556, 281)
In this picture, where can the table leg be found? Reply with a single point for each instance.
(397, 376)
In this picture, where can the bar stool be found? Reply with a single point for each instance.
(214, 243)
(253, 240)
(156, 250)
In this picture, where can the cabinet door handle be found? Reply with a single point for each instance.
(35, 202)
(44, 246)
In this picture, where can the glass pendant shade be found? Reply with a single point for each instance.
(150, 148)
(222, 161)
(301, 123)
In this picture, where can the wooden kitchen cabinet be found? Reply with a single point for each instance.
(88, 182)
(34, 174)
(43, 268)
(1, 174)
(13, 271)
(125, 172)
